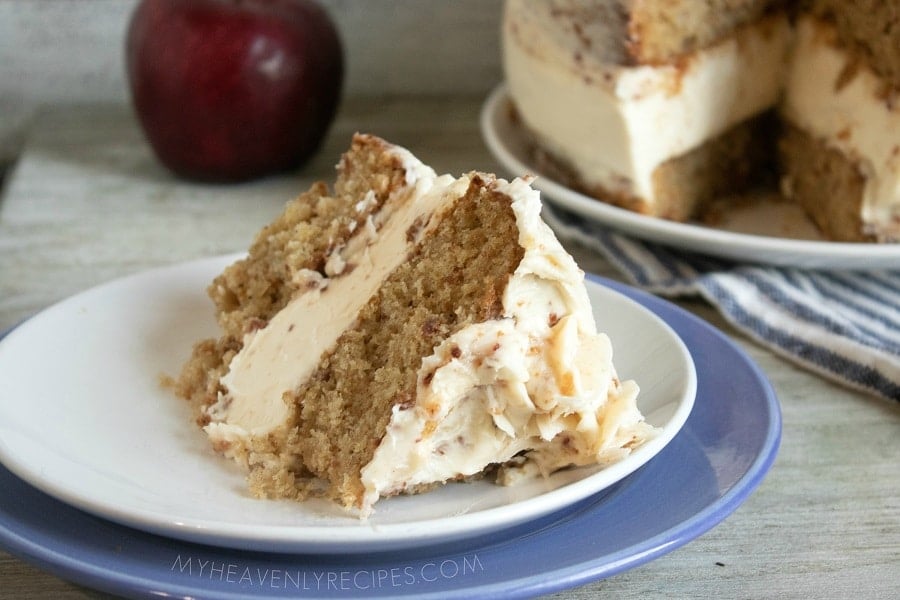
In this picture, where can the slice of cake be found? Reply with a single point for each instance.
(404, 330)
(841, 148)
(658, 106)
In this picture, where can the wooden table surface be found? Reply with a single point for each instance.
(87, 203)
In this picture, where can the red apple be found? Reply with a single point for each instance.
(229, 90)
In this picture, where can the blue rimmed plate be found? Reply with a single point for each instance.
(717, 459)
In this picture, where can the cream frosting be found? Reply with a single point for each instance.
(540, 379)
(614, 124)
(851, 114)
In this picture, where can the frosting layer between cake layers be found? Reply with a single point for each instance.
(613, 125)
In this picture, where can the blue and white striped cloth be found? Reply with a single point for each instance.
(842, 325)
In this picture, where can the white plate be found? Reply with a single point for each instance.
(83, 417)
(769, 233)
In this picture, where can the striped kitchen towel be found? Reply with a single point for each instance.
(842, 325)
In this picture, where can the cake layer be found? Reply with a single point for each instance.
(660, 31)
(633, 32)
(737, 161)
(827, 185)
(613, 125)
(869, 28)
(842, 105)
(277, 358)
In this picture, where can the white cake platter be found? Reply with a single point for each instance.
(766, 232)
